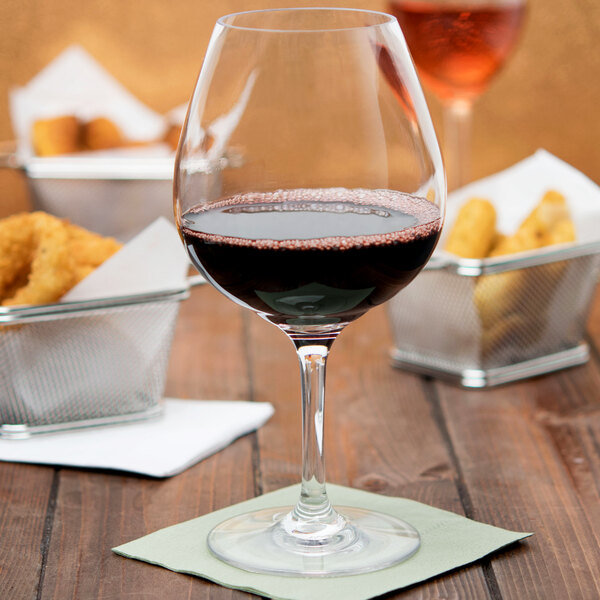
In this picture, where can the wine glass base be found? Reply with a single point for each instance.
(259, 543)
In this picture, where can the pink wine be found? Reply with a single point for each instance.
(459, 46)
(312, 256)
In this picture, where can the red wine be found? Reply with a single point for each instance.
(312, 256)
(458, 46)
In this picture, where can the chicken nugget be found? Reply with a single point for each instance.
(474, 229)
(101, 134)
(59, 135)
(172, 136)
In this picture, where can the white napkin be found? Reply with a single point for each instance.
(187, 432)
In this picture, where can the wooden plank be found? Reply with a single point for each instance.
(574, 431)
(511, 446)
(208, 358)
(593, 323)
(96, 511)
(380, 435)
(573, 422)
(26, 496)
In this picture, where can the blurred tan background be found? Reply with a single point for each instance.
(548, 95)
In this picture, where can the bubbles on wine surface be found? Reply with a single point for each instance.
(324, 219)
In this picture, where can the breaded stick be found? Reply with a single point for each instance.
(474, 230)
(498, 239)
(563, 232)
(59, 135)
(533, 230)
(547, 277)
(500, 297)
(551, 209)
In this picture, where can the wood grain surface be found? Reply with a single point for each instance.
(524, 456)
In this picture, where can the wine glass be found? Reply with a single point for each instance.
(334, 203)
(458, 46)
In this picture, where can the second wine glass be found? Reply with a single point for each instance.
(458, 47)
(334, 204)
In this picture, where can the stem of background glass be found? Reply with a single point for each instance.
(457, 142)
(313, 519)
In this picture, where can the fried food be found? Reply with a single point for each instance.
(68, 134)
(474, 230)
(15, 251)
(59, 135)
(172, 136)
(534, 231)
(499, 295)
(513, 306)
(42, 257)
(505, 299)
(89, 250)
(498, 239)
(101, 134)
(563, 232)
(50, 270)
(551, 210)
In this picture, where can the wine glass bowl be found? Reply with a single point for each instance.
(335, 205)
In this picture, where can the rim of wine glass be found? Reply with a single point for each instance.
(389, 19)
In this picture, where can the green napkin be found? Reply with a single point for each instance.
(448, 541)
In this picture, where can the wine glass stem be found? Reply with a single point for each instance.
(457, 134)
(313, 516)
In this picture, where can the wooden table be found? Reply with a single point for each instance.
(523, 456)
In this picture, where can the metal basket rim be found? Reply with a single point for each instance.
(21, 314)
(474, 267)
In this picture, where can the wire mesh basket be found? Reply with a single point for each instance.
(79, 364)
(485, 322)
